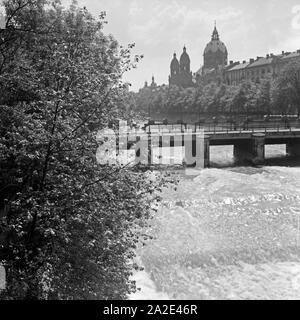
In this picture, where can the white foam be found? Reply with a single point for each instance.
(223, 236)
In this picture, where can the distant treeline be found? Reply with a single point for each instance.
(280, 95)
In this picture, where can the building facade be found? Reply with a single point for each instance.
(259, 68)
(216, 68)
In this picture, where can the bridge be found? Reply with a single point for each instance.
(248, 141)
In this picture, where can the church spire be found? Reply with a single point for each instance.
(215, 35)
(153, 83)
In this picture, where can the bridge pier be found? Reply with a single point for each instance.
(293, 148)
(252, 150)
(196, 149)
(206, 151)
(258, 148)
(190, 144)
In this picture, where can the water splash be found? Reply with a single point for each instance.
(227, 234)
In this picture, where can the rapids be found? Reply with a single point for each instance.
(226, 233)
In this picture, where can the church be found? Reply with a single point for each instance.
(216, 67)
(181, 74)
(215, 59)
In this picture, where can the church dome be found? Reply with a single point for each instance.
(184, 59)
(215, 53)
(215, 44)
(175, 62)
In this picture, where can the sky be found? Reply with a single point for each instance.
(161, 27)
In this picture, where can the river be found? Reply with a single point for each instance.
(226, 233)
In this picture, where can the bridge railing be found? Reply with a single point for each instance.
(227, 127)
(252, 127)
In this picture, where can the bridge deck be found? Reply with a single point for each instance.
(240, 134)
(272, 136)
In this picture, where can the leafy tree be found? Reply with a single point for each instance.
(264, 97)
(286, 89)
(251, 91)
(213, 98)
(69, 226)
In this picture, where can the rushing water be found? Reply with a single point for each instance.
(226, 233)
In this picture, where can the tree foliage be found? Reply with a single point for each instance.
(278, 95)
(286, 89)
(66, 221)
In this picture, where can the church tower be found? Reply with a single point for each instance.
(186, 77)
(215, 53)
(153, 83)
(175, 70)
(181, 74)
(185, 62)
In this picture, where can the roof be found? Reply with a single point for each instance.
(291, 55)
(261, 62)
(184, 58)
(175, 62)
(214, 46)
(239, 66)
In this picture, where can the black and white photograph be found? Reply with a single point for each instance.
(149, 151)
